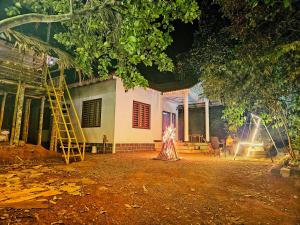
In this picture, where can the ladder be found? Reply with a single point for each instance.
(69, 141)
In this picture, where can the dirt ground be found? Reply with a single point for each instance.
(29, 154)
(131, 188)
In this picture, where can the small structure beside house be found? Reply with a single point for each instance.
(20, 78)
(25, 76)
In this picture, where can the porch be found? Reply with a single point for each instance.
(187, 141)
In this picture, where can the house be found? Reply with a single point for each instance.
(135, 119)
(40, 107)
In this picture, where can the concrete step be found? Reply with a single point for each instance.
(191, 144)
(193, 151)
(257, 154)
(182, 146)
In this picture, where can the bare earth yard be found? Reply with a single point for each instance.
(131, 188)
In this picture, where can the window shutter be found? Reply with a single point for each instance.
(141, 115)
(135, 115)
(147, 117)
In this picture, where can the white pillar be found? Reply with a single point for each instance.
(186, 116)
(113, 151)
(207, 136)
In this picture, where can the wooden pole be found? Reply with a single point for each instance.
(80, 77)
(19, 114)
(53, 133)
(26, 120)
(41, 121)
(186, 116)
(2, 109)
(207, 135)
(12, 133)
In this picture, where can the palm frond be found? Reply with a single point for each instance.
(27, 43)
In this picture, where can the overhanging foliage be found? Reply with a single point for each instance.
(250, 61)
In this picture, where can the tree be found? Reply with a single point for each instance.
(110, 35)
(250, 61)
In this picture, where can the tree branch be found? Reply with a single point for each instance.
(32, 18)
(71, 6)
(19, 20)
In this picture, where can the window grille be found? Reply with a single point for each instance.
(91, 113)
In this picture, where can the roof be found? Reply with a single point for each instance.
(172, 86)
(16, 65)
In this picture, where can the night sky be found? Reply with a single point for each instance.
(182, 37)
(182, 42)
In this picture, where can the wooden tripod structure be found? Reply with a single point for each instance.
(168, 151)
(252, 143)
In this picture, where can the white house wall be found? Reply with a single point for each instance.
(107, 91)
(124, 133)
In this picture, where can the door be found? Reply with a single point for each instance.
(166, 121)
(174, 120)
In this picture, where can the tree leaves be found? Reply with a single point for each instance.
(119, 35)
(250, 67)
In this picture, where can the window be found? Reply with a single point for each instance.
(141, 115)
(91, 113)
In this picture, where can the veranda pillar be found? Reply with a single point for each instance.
(16, 127)
(26, 120)
(2, 109)
(207, 134)
(41, 121)
(186, 116)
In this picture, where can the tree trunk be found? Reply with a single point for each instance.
(284, 121)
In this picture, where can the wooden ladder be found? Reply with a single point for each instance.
(68, 139)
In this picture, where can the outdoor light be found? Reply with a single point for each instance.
(51, 61)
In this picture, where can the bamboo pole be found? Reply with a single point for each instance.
(41, 121)
(19, 114)
(2, 109)
(27, 86)
(14, 116)
(26, 120)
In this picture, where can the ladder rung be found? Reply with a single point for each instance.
(58, 94)
(52, 89)
(68, 138)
